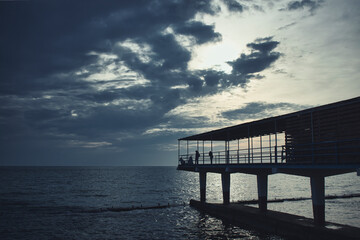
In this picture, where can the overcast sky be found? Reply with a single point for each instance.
(118, 82)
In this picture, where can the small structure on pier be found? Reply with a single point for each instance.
(316, 143)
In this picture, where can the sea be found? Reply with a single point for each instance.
(88, 202)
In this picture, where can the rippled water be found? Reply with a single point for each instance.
(73, 202)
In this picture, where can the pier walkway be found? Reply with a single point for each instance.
(316, 143)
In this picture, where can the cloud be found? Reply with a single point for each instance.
(91, 76)
(233, 5)
(259, 110)
(260, 58)
(89, 144)
(213, 78)
(287, 26)
(201, 32)
(263, 45)
(44, 42)
(299, 5)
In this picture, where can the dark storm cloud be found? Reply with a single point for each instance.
(310, 4)
(201, 32)
(168, 50)
(50, 48)
(261, 110)
(107, 119)
(245, 68)
(263, 45)
(103, 96)
(213, 78)
(49, 37)
(38, 115)
(260, 58)
(42, 39)
(233, 5)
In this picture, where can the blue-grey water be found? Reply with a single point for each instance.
(72, 202)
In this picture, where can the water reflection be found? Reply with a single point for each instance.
(54, 202)
(209, 227)
(243, 187)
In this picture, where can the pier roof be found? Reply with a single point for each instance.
(264, 126)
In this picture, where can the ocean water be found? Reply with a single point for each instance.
(78, 202)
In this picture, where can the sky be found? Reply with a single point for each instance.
(99, 83)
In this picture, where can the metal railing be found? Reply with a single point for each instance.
(244, 156)
(328, 152)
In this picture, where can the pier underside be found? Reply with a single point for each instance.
(256, 169)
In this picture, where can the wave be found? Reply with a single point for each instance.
(132, 208)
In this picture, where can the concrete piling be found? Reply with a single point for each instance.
(318, 199)
(202, 186)
(262, 185)
(225, 179)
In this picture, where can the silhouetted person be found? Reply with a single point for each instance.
(211, 156)
(182, 162)
(190, 162)
(197, 155)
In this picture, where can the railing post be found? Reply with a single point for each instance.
(248, 144)
(252, 150)
(227, 153)
(178, 150)
(276, 142)
(238, 157)
(260, 149)
(270, 148)
(203, 152)
(187, 149)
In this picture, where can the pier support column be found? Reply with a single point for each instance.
(225, 179)
(318, 199)
(262, 185)
(202, 186)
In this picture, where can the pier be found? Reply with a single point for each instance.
(316, 143)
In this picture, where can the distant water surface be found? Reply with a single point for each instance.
(72, 202)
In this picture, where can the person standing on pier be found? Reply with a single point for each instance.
(197, 155)
(190, 161)
(211, 156)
